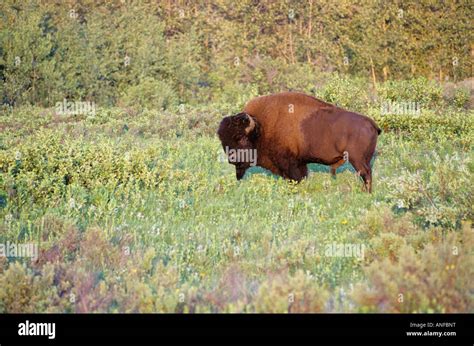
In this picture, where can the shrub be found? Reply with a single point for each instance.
(294, 293)
(23, 291)
(427, 125)
(297, 77)
(461, 98)
(150, 93)
(426, 92)
(436, 279)
(439, 200)
(237, 94)
(350, 93)
(45, 170)
(386, 245)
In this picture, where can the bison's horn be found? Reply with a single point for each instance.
(251, 125)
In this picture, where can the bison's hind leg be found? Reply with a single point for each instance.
(335, 166)
(364, 170)
(368, 178)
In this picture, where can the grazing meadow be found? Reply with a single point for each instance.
(115, 195)
(137, 211)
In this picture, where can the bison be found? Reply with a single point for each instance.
(288, 130)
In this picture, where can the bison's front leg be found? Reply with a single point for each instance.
(296, 171)
(301, 172)
(240, 172)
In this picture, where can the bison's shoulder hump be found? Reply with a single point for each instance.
(283, 100)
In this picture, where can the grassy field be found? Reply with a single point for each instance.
(133, 211)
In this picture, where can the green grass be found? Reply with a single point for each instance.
(201, 241)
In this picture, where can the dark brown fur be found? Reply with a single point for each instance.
(290, 130)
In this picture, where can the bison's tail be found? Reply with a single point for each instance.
(374, 124)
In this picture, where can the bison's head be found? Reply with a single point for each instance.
(239, 134)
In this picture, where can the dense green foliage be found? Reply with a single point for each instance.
(133, 209)
(195, 51)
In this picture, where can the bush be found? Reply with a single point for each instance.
(350, 93)
(283, 293)
(21, 291)
(150, 93)
(436, 279)
(237, 94)
(426, 92)
(438, 200)
(450, 124)
(44, 171)
(297, 77)
(461, 98)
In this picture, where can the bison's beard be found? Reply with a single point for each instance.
(240, 172)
